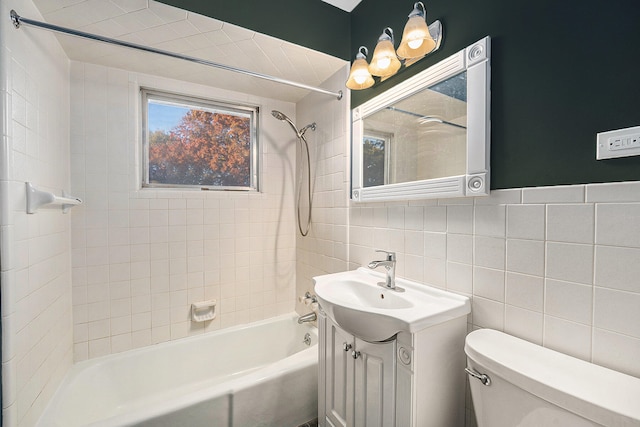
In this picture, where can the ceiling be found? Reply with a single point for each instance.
(150, 23)
(346, 5)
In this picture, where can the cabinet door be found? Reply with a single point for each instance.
(339, 376)
(375, 383)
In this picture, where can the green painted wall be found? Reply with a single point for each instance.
(310, 23)
(561, 72)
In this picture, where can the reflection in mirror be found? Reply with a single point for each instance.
(428, 136)
(375, 148)
(424, 136)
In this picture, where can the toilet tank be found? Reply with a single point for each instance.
(534, 386)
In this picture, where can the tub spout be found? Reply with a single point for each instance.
(309, 317)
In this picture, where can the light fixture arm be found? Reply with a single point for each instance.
(387, 34)
(416, 12)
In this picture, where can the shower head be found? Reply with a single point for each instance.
(278, 115)
(283, 117)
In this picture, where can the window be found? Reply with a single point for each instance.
(191, 142)
(375, 158)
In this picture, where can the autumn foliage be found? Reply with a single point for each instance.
(205, 148)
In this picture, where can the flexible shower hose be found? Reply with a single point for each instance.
(308, 224)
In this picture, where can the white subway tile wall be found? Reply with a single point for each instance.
(557, 270)
(142, 256)
(326, 247)
(37, 346)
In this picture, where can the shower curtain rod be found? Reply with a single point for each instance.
(18, 20)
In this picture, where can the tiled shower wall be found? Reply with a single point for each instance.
(325, 248)
(141, 257)
(35, 250)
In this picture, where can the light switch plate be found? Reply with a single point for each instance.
(618, 143)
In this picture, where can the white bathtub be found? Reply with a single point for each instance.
(260, 374)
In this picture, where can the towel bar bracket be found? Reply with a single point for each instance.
(38, 198)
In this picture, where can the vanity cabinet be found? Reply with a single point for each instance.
(359, 379)
(411, 380)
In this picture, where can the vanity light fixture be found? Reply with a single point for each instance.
(385, 62)
(359, 76)
(418, 41)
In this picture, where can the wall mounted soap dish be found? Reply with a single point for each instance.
(203, 310)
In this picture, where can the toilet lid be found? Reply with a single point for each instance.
(591, 391)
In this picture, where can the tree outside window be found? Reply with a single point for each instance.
(197, 143)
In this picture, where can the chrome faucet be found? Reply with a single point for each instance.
(309, 317)
(390, 266)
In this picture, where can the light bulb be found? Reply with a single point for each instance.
(384, 63)
(414, 44)
(359, 78)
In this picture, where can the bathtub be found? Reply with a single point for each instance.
(260, 374)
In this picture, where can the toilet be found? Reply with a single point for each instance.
(517, 383)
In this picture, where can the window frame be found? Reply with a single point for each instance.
(206, 104)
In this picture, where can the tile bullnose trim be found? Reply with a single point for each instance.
(627, 191)
(509, 196)
(554, 194)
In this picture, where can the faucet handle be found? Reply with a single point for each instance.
(391, 256)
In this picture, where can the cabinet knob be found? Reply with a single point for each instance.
(355, 354)
(346, 346)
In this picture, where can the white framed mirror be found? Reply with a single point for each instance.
(429, 136)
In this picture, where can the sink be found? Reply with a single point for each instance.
(358, 305)
(356, 293)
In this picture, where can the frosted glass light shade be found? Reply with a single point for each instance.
(359, 76)
(416, 39)
(385, 62)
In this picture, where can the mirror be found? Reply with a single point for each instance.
(427, 137)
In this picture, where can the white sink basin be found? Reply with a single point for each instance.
(358, 305)
(357, 293)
